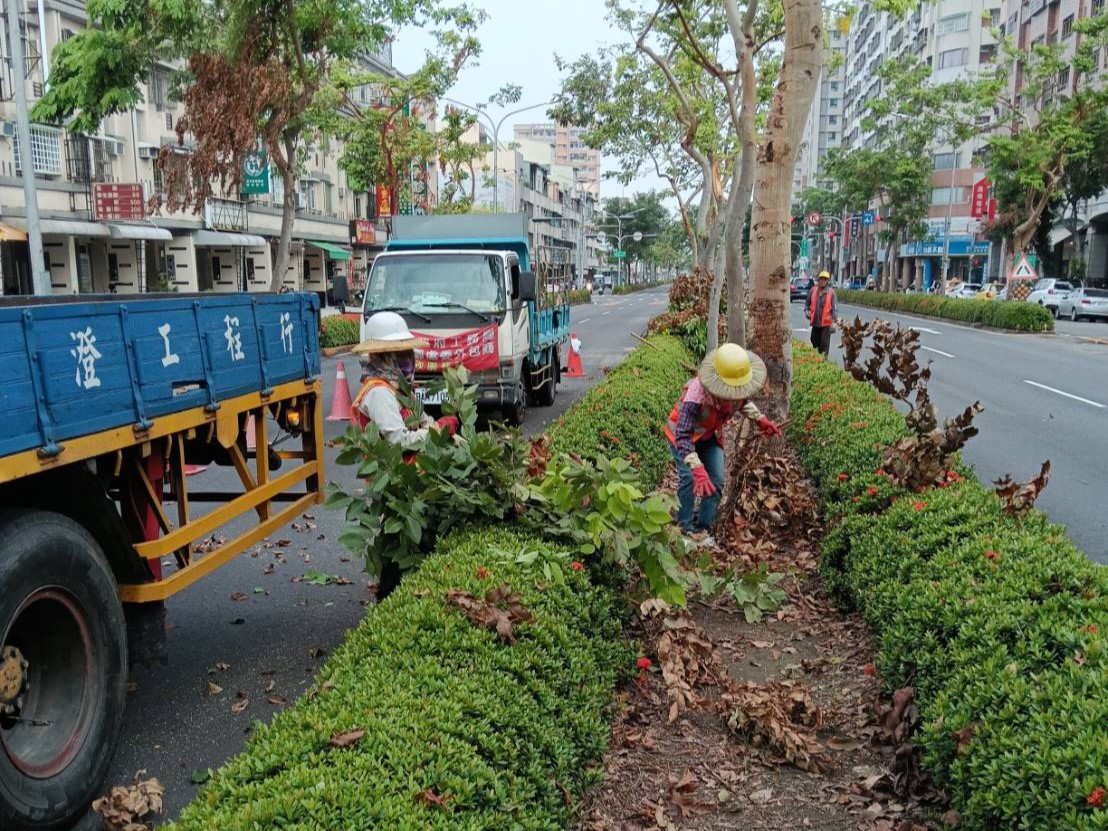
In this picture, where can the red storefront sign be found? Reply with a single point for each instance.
(117, 201)
(476, 350)
(362, 232)
(384, 201)
(979, 198)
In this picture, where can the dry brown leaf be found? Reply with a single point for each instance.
(347, 739)
(490, 612)
(277, 700)
(222, 665)
(237, 597)
(781, 715)
(124, 806)
(680, 794)
(429, 797)
(240, 704)
(214, 689)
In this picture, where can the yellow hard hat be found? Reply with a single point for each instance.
(731, 372)
(823, 274)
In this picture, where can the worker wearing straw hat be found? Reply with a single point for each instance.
(390, 351)
(728, 377)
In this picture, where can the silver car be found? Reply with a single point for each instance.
(1091, 304)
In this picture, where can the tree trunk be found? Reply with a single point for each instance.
(288, 214)
(736, 291)
(770, 229)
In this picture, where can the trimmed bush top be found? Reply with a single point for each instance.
(1001, 314)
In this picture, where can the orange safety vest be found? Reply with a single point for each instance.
(360, 418)
(710, 421)
(824, 314)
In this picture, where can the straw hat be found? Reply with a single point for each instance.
(732, 373)
(387, 332)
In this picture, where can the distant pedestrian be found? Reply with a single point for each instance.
(728, 378)
(822, 313)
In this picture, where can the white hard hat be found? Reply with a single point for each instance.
(387, 332)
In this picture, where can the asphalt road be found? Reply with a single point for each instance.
(267, 646)
(1044, 397)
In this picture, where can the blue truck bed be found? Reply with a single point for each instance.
(76, 367)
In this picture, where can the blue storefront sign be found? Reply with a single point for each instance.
(958, 248)
(867, 218)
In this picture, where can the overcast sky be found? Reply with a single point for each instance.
(519, 41)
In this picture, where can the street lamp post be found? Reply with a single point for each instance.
(620, 236)
(496, 141)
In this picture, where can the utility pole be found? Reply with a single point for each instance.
(40, 280)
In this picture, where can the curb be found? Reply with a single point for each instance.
(964, 324)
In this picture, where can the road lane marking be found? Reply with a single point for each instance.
(803, 329)
(1066, 394)
(604, 313)
(586, 320)
(928, 331)
(937, 351)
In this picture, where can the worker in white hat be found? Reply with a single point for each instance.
(728, 377)
(390, 350)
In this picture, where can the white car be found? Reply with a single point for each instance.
(1048, 292)
(1091, 304)
(966, 291)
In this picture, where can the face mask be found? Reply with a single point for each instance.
(406, 364)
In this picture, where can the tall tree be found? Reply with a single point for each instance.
(252, 72)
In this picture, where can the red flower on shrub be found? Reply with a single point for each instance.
(857, 499)
(482, 573)
(1092, 629)
(871, 491)
(919, 506)
(843, 477)
(644, 663)
(823, 408)
(576, 566)
(869, 669)
(991, 555)
(1096, 798)
(881, 472)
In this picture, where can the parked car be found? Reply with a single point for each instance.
(1082, 302)
(966, 291)
(799, 288)
(857, 284)
(1048, 291)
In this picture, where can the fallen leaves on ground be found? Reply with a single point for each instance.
(125, 806)
(499, 612)
(681, 794)
(781, 715)
(686, 656)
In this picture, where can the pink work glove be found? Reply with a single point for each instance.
(768, 428)
(448, 423)
(702, 483)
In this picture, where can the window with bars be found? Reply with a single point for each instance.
(1067, 26)
(1063, 79)
(953, 57)
(46, 151)
(952, 23)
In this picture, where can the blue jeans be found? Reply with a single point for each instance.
(711, 454)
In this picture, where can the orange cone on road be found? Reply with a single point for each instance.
(575, 369)
(340, 401)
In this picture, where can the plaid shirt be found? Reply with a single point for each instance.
(688, 417)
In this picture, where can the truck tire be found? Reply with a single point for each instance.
(514, 414)
(64, 650)
(549, 390)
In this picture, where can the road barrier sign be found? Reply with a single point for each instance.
(1023, 270)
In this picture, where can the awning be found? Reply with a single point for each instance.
(335, 252)
(1058, 235)
(10, 234)
(69, 227)
(147, 232)
(224, 239)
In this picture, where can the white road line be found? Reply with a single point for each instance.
(803, 329)
(1066, 394)
(586, 320)
(604, 313)
(928, 331)
(937, 351)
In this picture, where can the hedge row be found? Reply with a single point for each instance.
(462, 731)
(627, 288)
(626, 414)
(338, 330)
(1001, 314)
(999, 623)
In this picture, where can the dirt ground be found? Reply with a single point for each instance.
(695, 772)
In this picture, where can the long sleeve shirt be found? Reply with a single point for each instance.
(689, 416)
(383, 409)
(816, 302)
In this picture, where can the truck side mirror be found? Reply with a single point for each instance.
(528, 287)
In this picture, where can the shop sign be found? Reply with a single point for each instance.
(255, 173)
(362, 232)
(117, 201)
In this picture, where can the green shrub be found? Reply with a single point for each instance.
(628, 288)
(625, 415)
(1001, 314)
(338, 330)
(998, 622)
(504, 734)
(574, 297)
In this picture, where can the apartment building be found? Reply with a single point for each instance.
(99, 233)
(825, 119)
(570, 150)
(1032, 22)
(954, 38)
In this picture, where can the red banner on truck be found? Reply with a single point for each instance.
(475, 349)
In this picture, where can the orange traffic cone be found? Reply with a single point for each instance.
(575, 369)
(340, 401)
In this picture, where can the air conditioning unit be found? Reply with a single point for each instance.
(113, 147)
(8, 128)
(148, 152)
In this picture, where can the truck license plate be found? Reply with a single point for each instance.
(430, 398)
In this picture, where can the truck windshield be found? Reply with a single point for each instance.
(436, 284)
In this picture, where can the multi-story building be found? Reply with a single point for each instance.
(1038, 22)
(954, 38)
(825, 119)
(570, 150)
(94, 193)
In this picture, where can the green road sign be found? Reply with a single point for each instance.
(255, 170)
(618, 255)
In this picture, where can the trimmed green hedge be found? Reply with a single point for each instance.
(626, 414)
(1002, 314)
(509, 732)
(338, 330)
(999, 623)
(627, 288)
